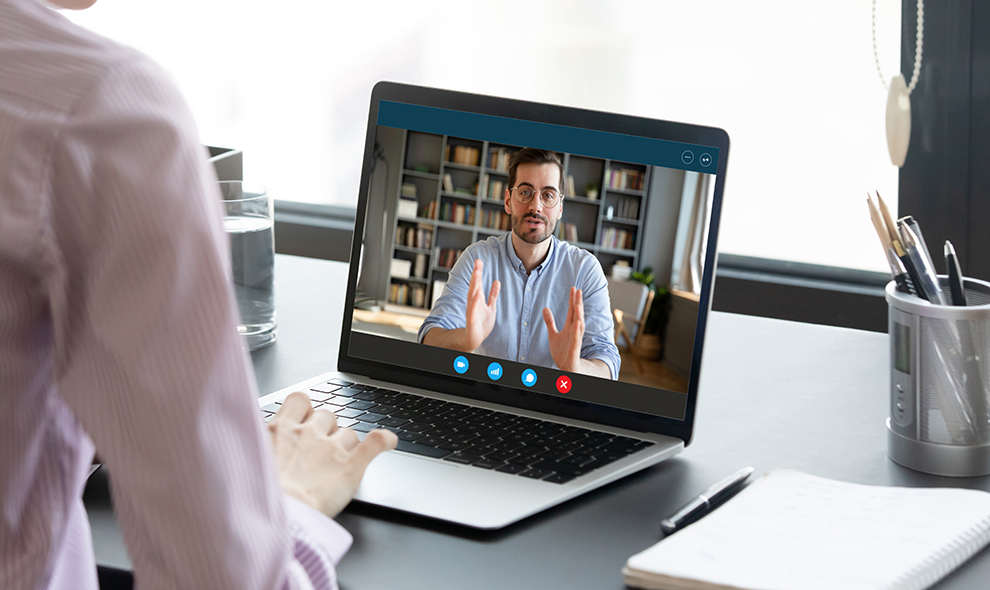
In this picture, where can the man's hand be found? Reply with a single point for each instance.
(565, 345)
(319, 463)
(480, 315)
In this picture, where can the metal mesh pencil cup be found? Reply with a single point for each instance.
(940, 382)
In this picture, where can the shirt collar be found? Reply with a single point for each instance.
(518, 264)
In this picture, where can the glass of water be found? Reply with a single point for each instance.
(250, 223)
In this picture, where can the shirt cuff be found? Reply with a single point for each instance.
(321, 528)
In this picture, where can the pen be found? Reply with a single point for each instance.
(897, 269)
(913, 271)
(704, 503)
(922, 263)
(956, 288)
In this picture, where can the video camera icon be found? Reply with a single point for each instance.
(461, 364)
(529, 377)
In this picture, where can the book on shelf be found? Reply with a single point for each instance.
(448, 183)
(446, 257)
(790, 529)
(409, 190)
(430, 211)
(465, 155)
(624, 179)
(627, 208)
(420, 237)
(617, 239)
(419, 266)
(566, 231)
(498, 159)
(457, 213)
(403, 294)
(494, 219)
(570, 186)
(496, 190)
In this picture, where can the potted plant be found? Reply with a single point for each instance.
(591, 191)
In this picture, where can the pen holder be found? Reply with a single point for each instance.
(939, 397)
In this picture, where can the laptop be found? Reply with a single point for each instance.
(485, 441)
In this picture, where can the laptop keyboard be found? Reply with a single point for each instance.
(483, 438)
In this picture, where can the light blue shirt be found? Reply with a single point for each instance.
(520, 333)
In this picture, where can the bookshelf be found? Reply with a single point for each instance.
(451, 195)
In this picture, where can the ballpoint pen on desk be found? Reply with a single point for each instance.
(956, 288)
(706, 502)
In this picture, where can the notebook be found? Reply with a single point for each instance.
(793, 530)
(495, 434)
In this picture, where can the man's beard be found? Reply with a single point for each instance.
(532, 235)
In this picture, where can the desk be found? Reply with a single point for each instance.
(773, 394)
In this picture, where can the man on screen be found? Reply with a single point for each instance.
(535, 281)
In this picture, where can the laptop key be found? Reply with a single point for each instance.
(348, 413)
(510, 468)
(367, 396)
(455, 445)
(431, 441)
(325, 387)
(392, 422)
(535, 473)
(409, 436)
(417, 426)
(560, 467)
(361, 426)
(559, 478)
(271, 408)
(486, 463)
(462, 458)
(461, 435)
(418, 449)
(340, 382)
(360, 405)
(348, 391)
(370, 417)
(346, 422)
(318, 396)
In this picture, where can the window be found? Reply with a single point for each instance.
(793, 83)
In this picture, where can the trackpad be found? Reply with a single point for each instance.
(393, 472)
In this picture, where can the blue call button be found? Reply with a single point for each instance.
(494, 371)
(461, 364)
(529, 377)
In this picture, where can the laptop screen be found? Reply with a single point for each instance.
(524, 253)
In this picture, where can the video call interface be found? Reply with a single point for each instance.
(487, 240)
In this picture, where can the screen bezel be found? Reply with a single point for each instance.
(559, 115)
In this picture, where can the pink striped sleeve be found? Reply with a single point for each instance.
(147, 354)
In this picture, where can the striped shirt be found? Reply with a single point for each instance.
(117, 329)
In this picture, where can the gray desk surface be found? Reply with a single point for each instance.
(773, 394)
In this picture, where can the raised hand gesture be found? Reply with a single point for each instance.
(480, 314)
(565, 345)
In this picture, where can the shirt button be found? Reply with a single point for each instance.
(522, 358)
(525, 323)
(527, 288)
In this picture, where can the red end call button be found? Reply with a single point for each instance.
(564, 384)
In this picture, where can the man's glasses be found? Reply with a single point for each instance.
(549, 197)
